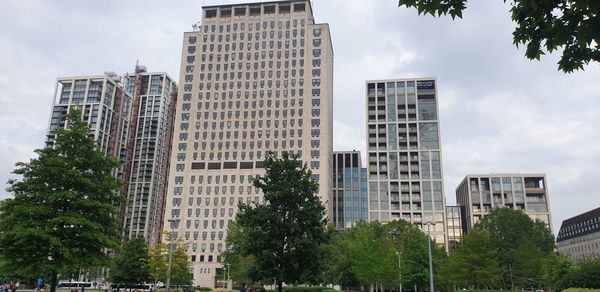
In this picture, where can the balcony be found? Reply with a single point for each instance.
(530, 190)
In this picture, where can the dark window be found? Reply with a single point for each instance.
(246, 165)
(299, 7)
(198, 165)
(269, 9)
(284, 8)
(211, 13)
(214, 165)
(239, 11)
(229, 165)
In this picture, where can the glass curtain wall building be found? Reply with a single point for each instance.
(404, 154)
(256, 78)
(454, 224)
(478, 194)
(350, 203)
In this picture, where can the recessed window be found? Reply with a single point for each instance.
(226, 13)
(255, 11)
(284, 8)
(299, 7)
(238, 11)
(270, 9)
(211, 13)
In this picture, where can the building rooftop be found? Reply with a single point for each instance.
(580, 225)
(253, 3)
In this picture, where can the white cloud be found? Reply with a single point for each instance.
(499, 112)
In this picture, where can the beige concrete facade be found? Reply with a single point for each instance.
(404, 154)
(478, 194)
(255, 78)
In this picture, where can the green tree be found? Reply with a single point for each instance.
(411, 242)
(585, 274)
(522, 244)
(240, 265)
(542, 26)
(62, 216)
(473, 264)
(285, 233)
(373, 255)
(157, 262)
(180, 272)
(554, 268)
(368, 253)
(131, 264)
(337, 261)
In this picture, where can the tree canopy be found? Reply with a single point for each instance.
(284, 235)
(522, 245)
(474, 263)
(368, 254)
(62, 216)
(542, 26)
(158, 261)
(131, 264)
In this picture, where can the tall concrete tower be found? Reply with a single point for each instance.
(255, 78)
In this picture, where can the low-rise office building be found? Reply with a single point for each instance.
(478, 194)
(579, 236)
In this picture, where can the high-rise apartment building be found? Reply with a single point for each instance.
(478, 194)
(579, 236)
(255, 78)
(131, 119)
(350, 202)
(404, 154)
(154, 97)
(105, 106)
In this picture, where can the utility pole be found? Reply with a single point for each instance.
(399, 270)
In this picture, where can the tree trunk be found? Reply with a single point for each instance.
(53, 282)
(279, 288)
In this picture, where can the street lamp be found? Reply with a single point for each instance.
(228, 278)
(430, 223)
(225, 275)
(172, 222)
(399, 270)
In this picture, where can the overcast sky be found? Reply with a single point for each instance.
(499, 111)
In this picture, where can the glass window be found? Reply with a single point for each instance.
(428, 136)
